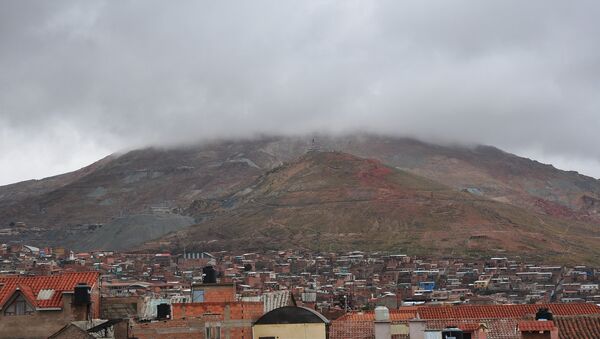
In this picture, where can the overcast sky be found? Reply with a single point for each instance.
(82, 79)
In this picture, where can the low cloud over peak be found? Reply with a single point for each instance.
(82, 79)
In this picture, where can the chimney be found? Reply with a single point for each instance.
(416, 328)
(121, 329)
(383, 325)
(480, 333)
(81, 302)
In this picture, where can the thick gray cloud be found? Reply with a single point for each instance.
(80, 79)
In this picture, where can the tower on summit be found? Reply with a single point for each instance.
(314, 146)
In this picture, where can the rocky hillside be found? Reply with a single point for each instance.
(133, 183)
(181, 181)
(337, 201)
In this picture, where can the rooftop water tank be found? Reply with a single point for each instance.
(210, 275)
(382, 313)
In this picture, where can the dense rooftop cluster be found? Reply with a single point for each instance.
(154, 291)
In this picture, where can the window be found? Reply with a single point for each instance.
(213, 332)
(19, 306)
(198, 296)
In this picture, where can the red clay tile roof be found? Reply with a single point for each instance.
(31, 286)
(496, 328)
(466, 325)
(470, 327)
(578, 327)
(351, 329)
(27, 292)
(574, 321)
(395, 315)
(535, 325)
(360, 324)
(503, 311)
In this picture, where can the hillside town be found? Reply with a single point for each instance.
(227, 295)
(299, 169)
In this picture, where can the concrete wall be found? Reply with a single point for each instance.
(108, 302)
(290, 331)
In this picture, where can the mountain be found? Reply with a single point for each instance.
(18, 192)
(337, 201)
(133, 183)
(151, 184)
(160, 188)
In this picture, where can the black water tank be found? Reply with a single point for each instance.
(210, 275)
(82, 294)
(544, 314)
(163, 311)
(452, 333)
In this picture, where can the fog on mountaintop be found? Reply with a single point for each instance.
(80, 80)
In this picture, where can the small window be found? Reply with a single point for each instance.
(198, 296)
(19, 306)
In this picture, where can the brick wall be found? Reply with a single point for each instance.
(217, 292)
(234, 318)
(236, 310)
(171, 329)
